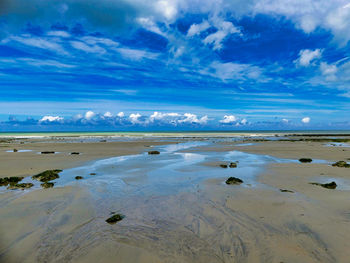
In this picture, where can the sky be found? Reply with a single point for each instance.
(132, 65)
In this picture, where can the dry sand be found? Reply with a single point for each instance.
(216, 223)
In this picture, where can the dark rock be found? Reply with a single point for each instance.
(48, 175)
(47, 152)
(92, 173)
(233, 165)
(79, 177)
(331, 185)
(103, 141)
(47, 185)
(305, 160)
(233, 180)
(153, 152)
(223, 165)
(20, 186)
(286, 191)
(15, 150)
(74, 153)
(10, 180)
(115, 218)
(341, 164)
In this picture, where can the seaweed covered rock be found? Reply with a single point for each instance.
(20, 186)
(47, 185)
(115, 218)
(79, 177)
(286, 191)
(341, 164)
(233, 180)
(153, 152)
(223, 165)
(233, 165)
(305, 160)
(15, 150)
(331, 185)
(47, 175)
(10, 180)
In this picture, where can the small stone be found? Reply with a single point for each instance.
(286, 191)
(47, 152)
(15, 150)
(92, 173)
(115, 218)
(305, 160)
(233, 180)
(331, 185)
(223, 165)
(153, 152)
(74, 153)
(79, 177)
(233, 165)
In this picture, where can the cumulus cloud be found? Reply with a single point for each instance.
(89, 115)
(51, 119)
(192, 118)
(135, 118)
(162, 116)
(108, 114)
(121, 114)
(228, 119)
(305, 120)
(306, 56)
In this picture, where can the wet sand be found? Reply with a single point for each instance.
(178, 208)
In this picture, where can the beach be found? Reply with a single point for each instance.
(176, 205)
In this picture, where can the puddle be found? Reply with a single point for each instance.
(337, 144)
(19, 151)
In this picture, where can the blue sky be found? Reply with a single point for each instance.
(174, 65)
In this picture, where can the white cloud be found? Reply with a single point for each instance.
(166, 8)
(196, 29)
(160, 116)
(228, 119)
(305, 120)
(121, 114)
(225, 29)
(244, 122)
(136, 54)
(62, 34)
(192, 118)
(89, 115)
(37, 42)
(306, 56)
(51, 118)
(134, 118)
(329, 71)
(233, 71)
(108, 114)
(87, 48)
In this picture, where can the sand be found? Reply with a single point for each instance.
(212, 223)
(30, 163)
